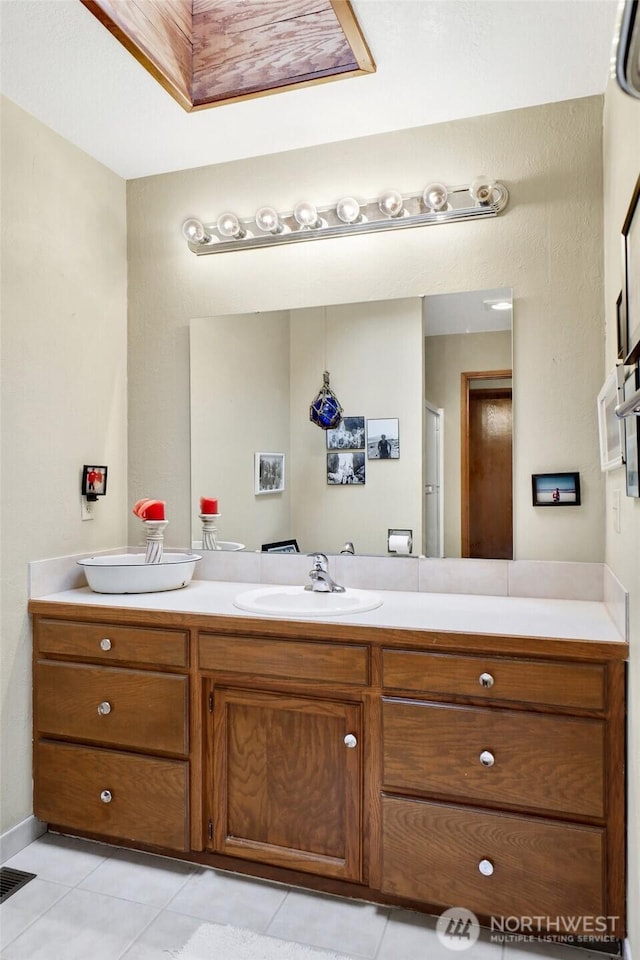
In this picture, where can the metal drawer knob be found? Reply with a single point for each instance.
(485, 680)
(485, 867)
(487, 759)
(105, 644)
(104, 708)
(350, 741)
(105, 796)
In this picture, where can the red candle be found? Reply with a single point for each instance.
(154, 510)
(208, 505)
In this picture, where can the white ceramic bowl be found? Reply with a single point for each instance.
(128, 573)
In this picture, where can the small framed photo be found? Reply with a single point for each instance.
(632, 436)
(621, 317)
(383, 439)
(348, 435)
(281, 546)
(346, 468)
(556, 489)
(631, 290)
(94, 482)
(609, 426)
(269, 472)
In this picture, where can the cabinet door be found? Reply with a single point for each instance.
(286, 781)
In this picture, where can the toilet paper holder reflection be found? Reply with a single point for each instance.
(399, 541)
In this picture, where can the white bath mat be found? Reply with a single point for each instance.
(212, 941)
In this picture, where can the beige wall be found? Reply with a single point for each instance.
(240, 406)
(547, 247)
(621, 170)
(63, 388)
(372, 351)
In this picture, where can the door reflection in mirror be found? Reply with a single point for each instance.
(468, 378)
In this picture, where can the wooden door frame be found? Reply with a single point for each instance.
(465, 381)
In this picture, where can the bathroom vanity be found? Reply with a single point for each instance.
(382, 757)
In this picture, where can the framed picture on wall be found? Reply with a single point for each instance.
(632, 436)
(609, 426)
(349, 435)
(269, 472)
(346, 469)
(621, 318)
(94, 481)
(631, 290)
(556, 489)
(383, 439)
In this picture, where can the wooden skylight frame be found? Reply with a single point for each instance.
(206, 53)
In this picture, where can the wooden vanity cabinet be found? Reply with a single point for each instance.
(502, 785)
(284, 762)
(425, 769)
(111, 733)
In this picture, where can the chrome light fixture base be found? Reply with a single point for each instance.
(462, 204)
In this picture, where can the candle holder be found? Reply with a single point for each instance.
(209, 531)
(154, 532)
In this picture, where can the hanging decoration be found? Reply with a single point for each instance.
(325, 411)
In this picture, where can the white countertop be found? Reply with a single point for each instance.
(504, 616)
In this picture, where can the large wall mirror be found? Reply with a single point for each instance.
(432, 369)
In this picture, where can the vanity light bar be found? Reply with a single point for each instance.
(391, 211)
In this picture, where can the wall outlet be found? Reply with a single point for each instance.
(86, 509)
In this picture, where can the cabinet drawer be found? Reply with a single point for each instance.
(529, 681)
(143, 645)
(287, 659)
(147, 797)
(503, 756)
(435, 853)
(138, 708)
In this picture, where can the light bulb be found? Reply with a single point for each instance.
(194, 231)
(501, 305)
(306, 214)
(435, 196)
(481, 190)
(229, 226)
(268, 220)
(390, 203)
(348, 210)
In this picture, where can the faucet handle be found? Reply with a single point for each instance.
(320, 561)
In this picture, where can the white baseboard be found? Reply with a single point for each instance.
(20, 836)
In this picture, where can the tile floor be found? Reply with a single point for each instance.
(94, 902)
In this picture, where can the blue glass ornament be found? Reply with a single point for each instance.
(325, 411)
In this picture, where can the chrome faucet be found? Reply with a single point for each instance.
(321, 580)
(348, 548)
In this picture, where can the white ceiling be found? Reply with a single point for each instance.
(437, 60)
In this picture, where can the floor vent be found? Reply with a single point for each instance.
(11, 880)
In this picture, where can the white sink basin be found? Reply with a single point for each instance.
(128, 573)
(298, 602)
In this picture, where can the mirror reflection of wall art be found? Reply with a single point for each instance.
(631, 237)
(94, 482)
(609, 426)
(556, 489)
(349, 435)
(632, 436)
(345, 468)
(269, 472)
(281, 546)
(383, 439)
